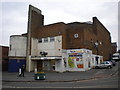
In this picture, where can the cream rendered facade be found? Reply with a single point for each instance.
(53, 49)
(17, 46)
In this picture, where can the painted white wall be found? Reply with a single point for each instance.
(59, 66)
(86, 57)
(17, 45)
(34, 47)
(32, 66)
(93, 63)
(52, 48)
(100, 59)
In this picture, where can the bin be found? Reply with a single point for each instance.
(40, 76)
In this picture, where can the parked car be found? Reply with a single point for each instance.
(105, 64)
(113, 62)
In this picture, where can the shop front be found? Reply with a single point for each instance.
(77, 60)
(45, 63)
(96, 60)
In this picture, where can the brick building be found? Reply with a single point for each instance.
(4, 57)
(54, 38)
(114, 47)
(77, 35)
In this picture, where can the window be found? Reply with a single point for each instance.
(40, 40)
(45, 39)
(75, 35)
(10, 47)
(52, 39)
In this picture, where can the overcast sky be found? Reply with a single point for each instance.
(14, 14)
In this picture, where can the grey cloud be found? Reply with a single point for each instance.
(15, 14)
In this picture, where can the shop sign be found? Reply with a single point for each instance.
(75, 51)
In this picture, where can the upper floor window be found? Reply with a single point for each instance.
(75, 35)
(52, 39)
(40, 40)
(10, 46)
(45, 39)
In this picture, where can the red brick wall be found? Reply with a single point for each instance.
(36, 22)
(103, 35)
(4, 57)
(88, 34)
(4, 52)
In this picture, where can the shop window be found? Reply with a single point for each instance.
(40, 40)
(89, 64)
(65, 63)
(45, 39)
(10, 47)
(52, 39)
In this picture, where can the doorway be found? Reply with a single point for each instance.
(97, 60)
(53, 65)
(39, 65)
(49, 65)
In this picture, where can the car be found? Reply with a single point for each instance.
(113, 62)
(105, 64)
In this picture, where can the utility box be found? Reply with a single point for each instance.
(40, 76)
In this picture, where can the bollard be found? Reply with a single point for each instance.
(35, 70)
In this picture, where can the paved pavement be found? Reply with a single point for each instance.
(61, 77)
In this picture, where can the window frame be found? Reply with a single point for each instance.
(40, 40)
(46, 40)
(52, 39)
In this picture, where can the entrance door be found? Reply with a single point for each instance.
(39, 65)
(97, 60)
(52, 65)
(49, 65)
(46, 65)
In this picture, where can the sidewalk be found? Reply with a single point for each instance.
(61, 77)
(58, 77)
(50, 76)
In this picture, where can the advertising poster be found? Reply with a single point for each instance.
(79, 61)
(71, 62)
(75, 58)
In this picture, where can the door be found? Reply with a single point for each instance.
(46, 65)
(52, 65)
(96, 58)
(39, 65)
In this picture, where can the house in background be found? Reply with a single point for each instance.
(43, 45)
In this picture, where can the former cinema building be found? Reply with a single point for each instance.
(45, 47)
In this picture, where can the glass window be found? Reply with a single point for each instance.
(107, 62)
(52, 39)
(45, 39)
(40, 40)
(10, 47)
(75, 35)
